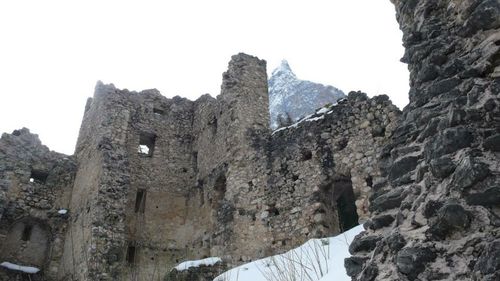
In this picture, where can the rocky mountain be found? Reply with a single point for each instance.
(290, 95)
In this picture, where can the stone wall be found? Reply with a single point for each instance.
(437, 216)
(328, 159)
(36, 184)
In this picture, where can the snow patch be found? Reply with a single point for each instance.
(316, 118)
(315, 260)
(62, 212)
(196, 263)
(323, 110)
(25, 269)
(309, 118)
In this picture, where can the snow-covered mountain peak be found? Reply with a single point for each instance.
(295, 98)
(284, 69)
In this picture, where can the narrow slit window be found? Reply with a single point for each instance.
(158, 111)
(26, 235)
(38, 176)
(131, 254)
(147, 144)
(140, 201)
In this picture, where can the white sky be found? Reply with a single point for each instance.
(53, 52)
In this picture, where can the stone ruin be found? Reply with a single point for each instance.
(156, 181)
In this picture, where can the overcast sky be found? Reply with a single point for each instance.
(53, 52)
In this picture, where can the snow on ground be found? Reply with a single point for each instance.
(25, 269)
(62, 212)
(188, 264)
(315, 260)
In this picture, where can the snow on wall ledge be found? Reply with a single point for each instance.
(196, 263)
(25, 269)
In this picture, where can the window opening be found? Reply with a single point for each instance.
(26, 236)
(131, 254)
(147, 144)
(38, 176)
(140, 201)
(220, 187)
(306, 154)
(158, 111)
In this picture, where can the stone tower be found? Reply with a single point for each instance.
(154, 174)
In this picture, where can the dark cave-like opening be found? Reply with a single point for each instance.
(345, 202)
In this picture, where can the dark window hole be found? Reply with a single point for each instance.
(140, 201)
(158, 111)
(346, 207)
(369, 181)
(26, 235)
(342, 143)
(306, 155)
(38, 176)
(131, 254)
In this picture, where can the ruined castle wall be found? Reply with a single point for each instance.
(37, 184)
(167, 225)
(227, 161)
(436, 218)
(329, 158)
(94, 243)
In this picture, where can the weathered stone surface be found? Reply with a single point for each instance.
(468, 172)
(369, 273)
(451, 48)
(442, 167)
(450, 218)
(389, 200)
(492, 143)
(402, 167)
(353, 265)
(363, 243)
(449, 141)
(379, 222)
(489, 197)
(395, 241)
(431, 208)
(489, 261)
(412, 261)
